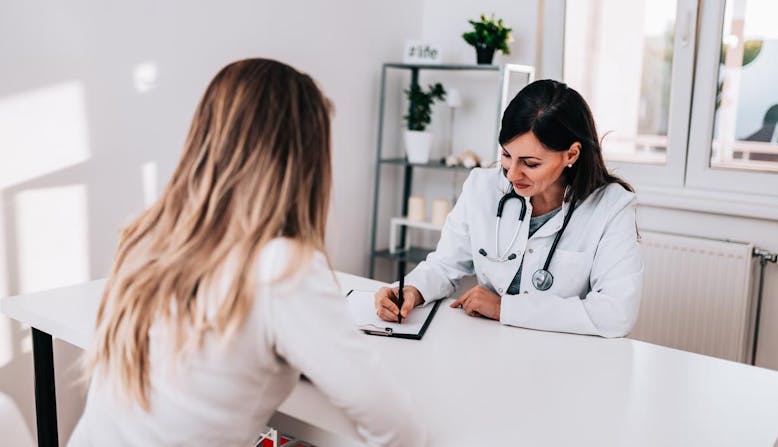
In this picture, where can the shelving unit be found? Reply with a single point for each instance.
(417, 254)
(402, 223)
(429, 165)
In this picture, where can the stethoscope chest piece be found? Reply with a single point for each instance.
(542, 279)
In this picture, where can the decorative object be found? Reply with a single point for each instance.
(468, 159)
(417, 140)
(453, 100)
(417, 52)
(751, 50)
(416, 209)
(440, 210)
(488, 35)
(417, 145)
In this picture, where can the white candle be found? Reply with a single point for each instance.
(453, 99)
(416, 211)
(440, 209)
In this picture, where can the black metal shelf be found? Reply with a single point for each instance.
(458, 67)
(416, 254)
(428, 165)
(413, 254)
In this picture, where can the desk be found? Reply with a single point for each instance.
(477, 382)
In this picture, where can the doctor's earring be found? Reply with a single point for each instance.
(570, 165)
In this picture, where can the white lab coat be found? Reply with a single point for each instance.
(597, 267)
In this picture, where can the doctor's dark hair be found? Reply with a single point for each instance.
(558, 117)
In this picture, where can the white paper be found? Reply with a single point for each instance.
(362, 308)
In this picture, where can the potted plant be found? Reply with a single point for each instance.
(488, 35)
(417, 139)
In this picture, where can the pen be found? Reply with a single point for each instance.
(400, 300)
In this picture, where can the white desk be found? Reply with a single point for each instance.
(477, 382)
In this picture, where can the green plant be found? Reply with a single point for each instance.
(751, 50)
(419, 113)
(489, 33)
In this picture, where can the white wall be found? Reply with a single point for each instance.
(75, 134)
(444, 23)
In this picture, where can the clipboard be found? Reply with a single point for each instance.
(362, 310)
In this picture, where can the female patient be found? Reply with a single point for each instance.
(221, 292)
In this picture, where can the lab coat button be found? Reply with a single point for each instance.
(499, 290)
(525, 292)
(531, 251)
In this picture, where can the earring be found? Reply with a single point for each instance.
(570, 165)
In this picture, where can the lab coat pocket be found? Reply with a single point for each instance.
(480, 272)
(571, 270)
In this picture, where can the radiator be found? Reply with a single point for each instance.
(696, 295)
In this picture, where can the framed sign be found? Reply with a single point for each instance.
(417, 52)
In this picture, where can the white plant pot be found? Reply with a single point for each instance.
(417, 145)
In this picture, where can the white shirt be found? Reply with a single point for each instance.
(225, 393)
(597, 267)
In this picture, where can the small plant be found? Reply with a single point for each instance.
(419, 114)
(489, 34)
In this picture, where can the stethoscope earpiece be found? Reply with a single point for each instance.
(505, 256)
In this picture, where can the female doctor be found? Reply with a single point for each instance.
(549, 234)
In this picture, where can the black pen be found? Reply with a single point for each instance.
(400, 300)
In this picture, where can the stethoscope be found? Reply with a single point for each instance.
(542, 279)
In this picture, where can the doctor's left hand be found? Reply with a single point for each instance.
(479, 302)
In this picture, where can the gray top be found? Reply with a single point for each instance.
(534, 225)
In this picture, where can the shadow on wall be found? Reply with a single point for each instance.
(61, 205)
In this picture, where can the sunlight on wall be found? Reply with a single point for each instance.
(41, 131)
(26, 344)
(144, 76)
(149, 176)
(6, 345)
(53, 248)
(6, 325)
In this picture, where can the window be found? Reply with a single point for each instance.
(620, 58)
(632, 62)
(734, 90)
(746, 107)
(684, 92)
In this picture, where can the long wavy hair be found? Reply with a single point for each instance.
(255, 166)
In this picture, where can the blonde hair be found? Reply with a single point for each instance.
(255, 166)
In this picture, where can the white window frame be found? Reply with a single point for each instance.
(687, 181)
(699, 173)
(671, 173)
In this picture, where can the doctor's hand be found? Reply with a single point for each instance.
(386, 302)
(479, 302)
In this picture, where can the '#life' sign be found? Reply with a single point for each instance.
(421, 53)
